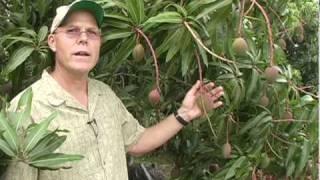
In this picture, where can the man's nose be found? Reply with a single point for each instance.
(83, 37)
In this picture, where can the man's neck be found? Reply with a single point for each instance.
(74, 84)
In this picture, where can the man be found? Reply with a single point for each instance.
(100, 127)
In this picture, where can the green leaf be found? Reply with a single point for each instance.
(171, 52)
(116, 17)
(195, 5)
(169, 40)
(118, 21)
(10, 136)
(252, 122)
(42, 33)
(35, 134)
(17, 38)
(24, 106)
(18, 57)
(264, 120)
(203, 55)
(306, 99)
(213, 8)
(234, 167)
(122, 52)
(253, 84)
(165, 17)
(186, 58)
(117, 35)
(290, 168)
(47, 145)
(112, 4)
(290, 153)
(6, 149)
(136, 10)
(175, 46)
(303, 157)
(179, 9)
(28, 32)
(54, 161)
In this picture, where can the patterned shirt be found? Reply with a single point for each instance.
(101, 133)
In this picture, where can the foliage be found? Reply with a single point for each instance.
(31, 143)
(189, 40)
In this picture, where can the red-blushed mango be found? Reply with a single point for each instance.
(154, 96)
(271, 73)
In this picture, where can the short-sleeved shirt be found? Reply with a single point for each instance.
(101, 133)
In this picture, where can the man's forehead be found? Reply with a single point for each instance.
(78, 18)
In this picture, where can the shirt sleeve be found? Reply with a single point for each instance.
(131, 129)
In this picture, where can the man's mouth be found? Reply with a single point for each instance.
(81, 53)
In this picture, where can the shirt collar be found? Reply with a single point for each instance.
(58, 96)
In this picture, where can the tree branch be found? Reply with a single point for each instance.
(202, 45)
(154, 57)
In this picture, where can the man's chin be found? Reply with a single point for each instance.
(81, 70)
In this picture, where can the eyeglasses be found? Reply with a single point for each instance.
(75, 33)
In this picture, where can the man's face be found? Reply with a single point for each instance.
(77, 43)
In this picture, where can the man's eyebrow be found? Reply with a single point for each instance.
(76, 26)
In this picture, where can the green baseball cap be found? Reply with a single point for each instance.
(62, 12)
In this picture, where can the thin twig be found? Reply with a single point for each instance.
(272, 62)
(306, 92)
(231, 119)
(251, 6)
(4, 4)
(282, 24)
(240, 25)
(202, 91)
(227, 133)
(202, 45)
(306, 87)
(253, 174)
(273, 151)
(282, 140)
(289, 120)
(199, 65)
(154, 57)
(180, 81)
(181, 2)
(207, 117)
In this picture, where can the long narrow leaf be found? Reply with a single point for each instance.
(213, 8)
(136, 10)
(54, 160)
(165, 17)
(252, 122)
(303, 157)
(18, 57)
(117, 35)
(42, 33)
(6, 149)
(10, 136)
(24, 106)
(47, 145)
(38, 132)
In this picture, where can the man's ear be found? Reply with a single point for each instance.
(52, 42)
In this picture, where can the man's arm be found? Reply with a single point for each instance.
(160, 133)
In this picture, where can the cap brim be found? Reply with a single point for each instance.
(90, 6)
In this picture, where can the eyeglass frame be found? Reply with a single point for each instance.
(78, 33)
